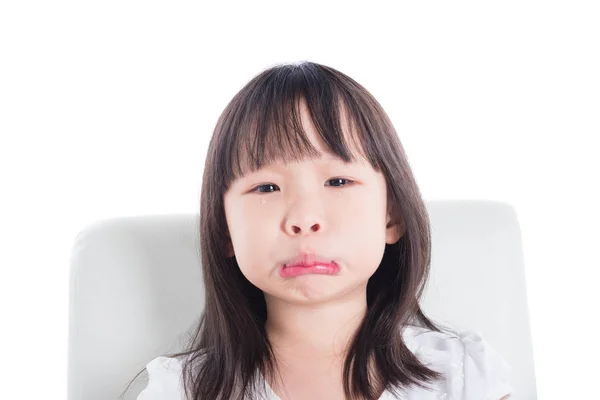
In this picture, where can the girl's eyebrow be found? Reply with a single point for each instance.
(280, 165)
(324, 157)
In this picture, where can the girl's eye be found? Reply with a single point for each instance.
(264, 186)
(338, 182)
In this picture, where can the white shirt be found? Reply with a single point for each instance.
(473, 370)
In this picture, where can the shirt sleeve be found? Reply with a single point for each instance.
(486, 374)
(164, 380)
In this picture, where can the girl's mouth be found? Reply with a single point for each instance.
(304, 269)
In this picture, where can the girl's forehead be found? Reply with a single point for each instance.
(267, 146)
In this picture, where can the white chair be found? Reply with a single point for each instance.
(136, 290)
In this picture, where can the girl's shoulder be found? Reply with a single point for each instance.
(164, 379)
(471, 367)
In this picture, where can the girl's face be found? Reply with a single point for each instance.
(322, 207)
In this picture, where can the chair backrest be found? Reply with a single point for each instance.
(136, 290)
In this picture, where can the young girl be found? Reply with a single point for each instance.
(315, 247)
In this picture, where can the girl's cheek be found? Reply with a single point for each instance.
(258, 207)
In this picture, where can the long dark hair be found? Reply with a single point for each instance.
(261, 124)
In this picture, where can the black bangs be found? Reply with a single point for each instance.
(266, 123)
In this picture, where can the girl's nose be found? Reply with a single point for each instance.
(305, 218)
(305, 214)
(297, 228)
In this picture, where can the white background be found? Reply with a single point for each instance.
(106, 109)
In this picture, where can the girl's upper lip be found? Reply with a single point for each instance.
(308, 260)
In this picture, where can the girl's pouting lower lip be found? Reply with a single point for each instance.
(318, 269)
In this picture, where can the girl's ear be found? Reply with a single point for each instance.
(229, 252)
(394, 230)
